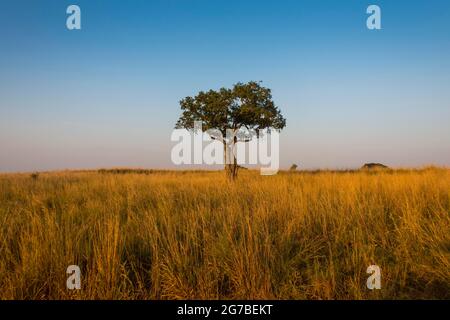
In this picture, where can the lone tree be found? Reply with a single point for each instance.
(243, 110)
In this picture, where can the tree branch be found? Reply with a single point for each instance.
(217, 139)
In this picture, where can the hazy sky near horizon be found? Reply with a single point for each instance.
(107, 95)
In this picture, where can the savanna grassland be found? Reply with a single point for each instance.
(194, 235)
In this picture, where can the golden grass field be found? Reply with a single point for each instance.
(194, 235)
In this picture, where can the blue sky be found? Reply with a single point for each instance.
(107, 95)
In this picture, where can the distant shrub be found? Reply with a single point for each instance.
(374, 166)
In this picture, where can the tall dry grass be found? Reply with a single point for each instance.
(178, 235)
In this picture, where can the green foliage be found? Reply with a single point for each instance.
(246, 107)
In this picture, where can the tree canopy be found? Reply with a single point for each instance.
(248, 105)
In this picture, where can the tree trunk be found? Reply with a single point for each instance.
(235, 168)
(231, 166)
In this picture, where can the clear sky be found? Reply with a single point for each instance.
(107, 95)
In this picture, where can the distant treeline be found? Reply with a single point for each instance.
(318, 171)
(146, 171)
(127, 171)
